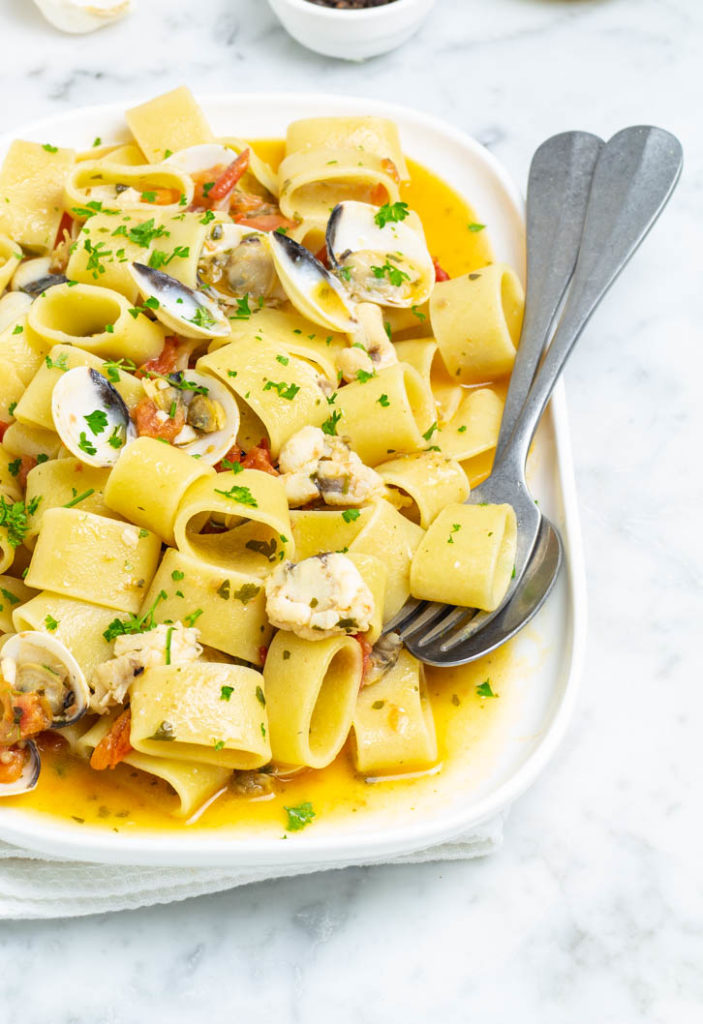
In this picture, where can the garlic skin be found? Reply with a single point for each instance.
(83, 15)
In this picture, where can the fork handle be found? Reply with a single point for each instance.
(557, 193)
(635, 175)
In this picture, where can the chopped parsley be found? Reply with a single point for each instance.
(246, 593)
(159, 259)
(363, 376)
(243, 311)
(79, 498)
(430, 431)
(219, 744)
(384, 400)
(97, 421)
(350, 515)
(115, 440)
(142, 234)
(226, 692)
(177, 575)
(135, 623)
(14, 516)
(112, 368)
(475, 228)
(51, 623)
(202, 317)
(18, 329)
(391, 212)
(169, 637)
(485, 690)
(287, 391)
(96, 254)
(395, 275)
(260, 696)
(330, 425)
(86, 446)
(300, 816)
(49, 148)
(240, 494)
(191, 619)
(57, 364)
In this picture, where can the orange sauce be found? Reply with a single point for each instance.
(469, 727)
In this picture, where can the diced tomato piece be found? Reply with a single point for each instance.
(233, 455)
(263, 651)
(12, 761)
(201, 194)
(149, 424)
(390, 169)
(161, 196)
(65, 225)
(172, 357)
(366, 649)
(379, 195)
(265, 221)
(259, 458)
(115, 745)
(3, 428)
(439, 273)
(229, 178)
(32, 713)
(27, 462)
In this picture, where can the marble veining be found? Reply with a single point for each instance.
(593, 910)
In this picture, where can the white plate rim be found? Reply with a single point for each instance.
(58, 839)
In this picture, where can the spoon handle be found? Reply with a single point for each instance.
(557, 193)
(636, 173)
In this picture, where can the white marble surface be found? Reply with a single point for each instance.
(593, 910)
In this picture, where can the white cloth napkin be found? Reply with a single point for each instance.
(34, 886)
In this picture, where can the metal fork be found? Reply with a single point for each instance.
(634, 177)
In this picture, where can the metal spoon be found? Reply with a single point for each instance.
(634, 178)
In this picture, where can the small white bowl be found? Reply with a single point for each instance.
(352, 34)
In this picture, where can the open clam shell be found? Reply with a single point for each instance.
(387, 263)
(196, 159)
(187, 312)
(314, 292)
(90, 417)
(34, 277)
(212, 414)
(236, 262)
(35, 662)
(30, 773)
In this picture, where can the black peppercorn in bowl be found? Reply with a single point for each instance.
(352, 29)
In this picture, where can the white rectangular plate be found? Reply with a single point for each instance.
(549, 651)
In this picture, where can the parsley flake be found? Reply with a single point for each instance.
(300, 816)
